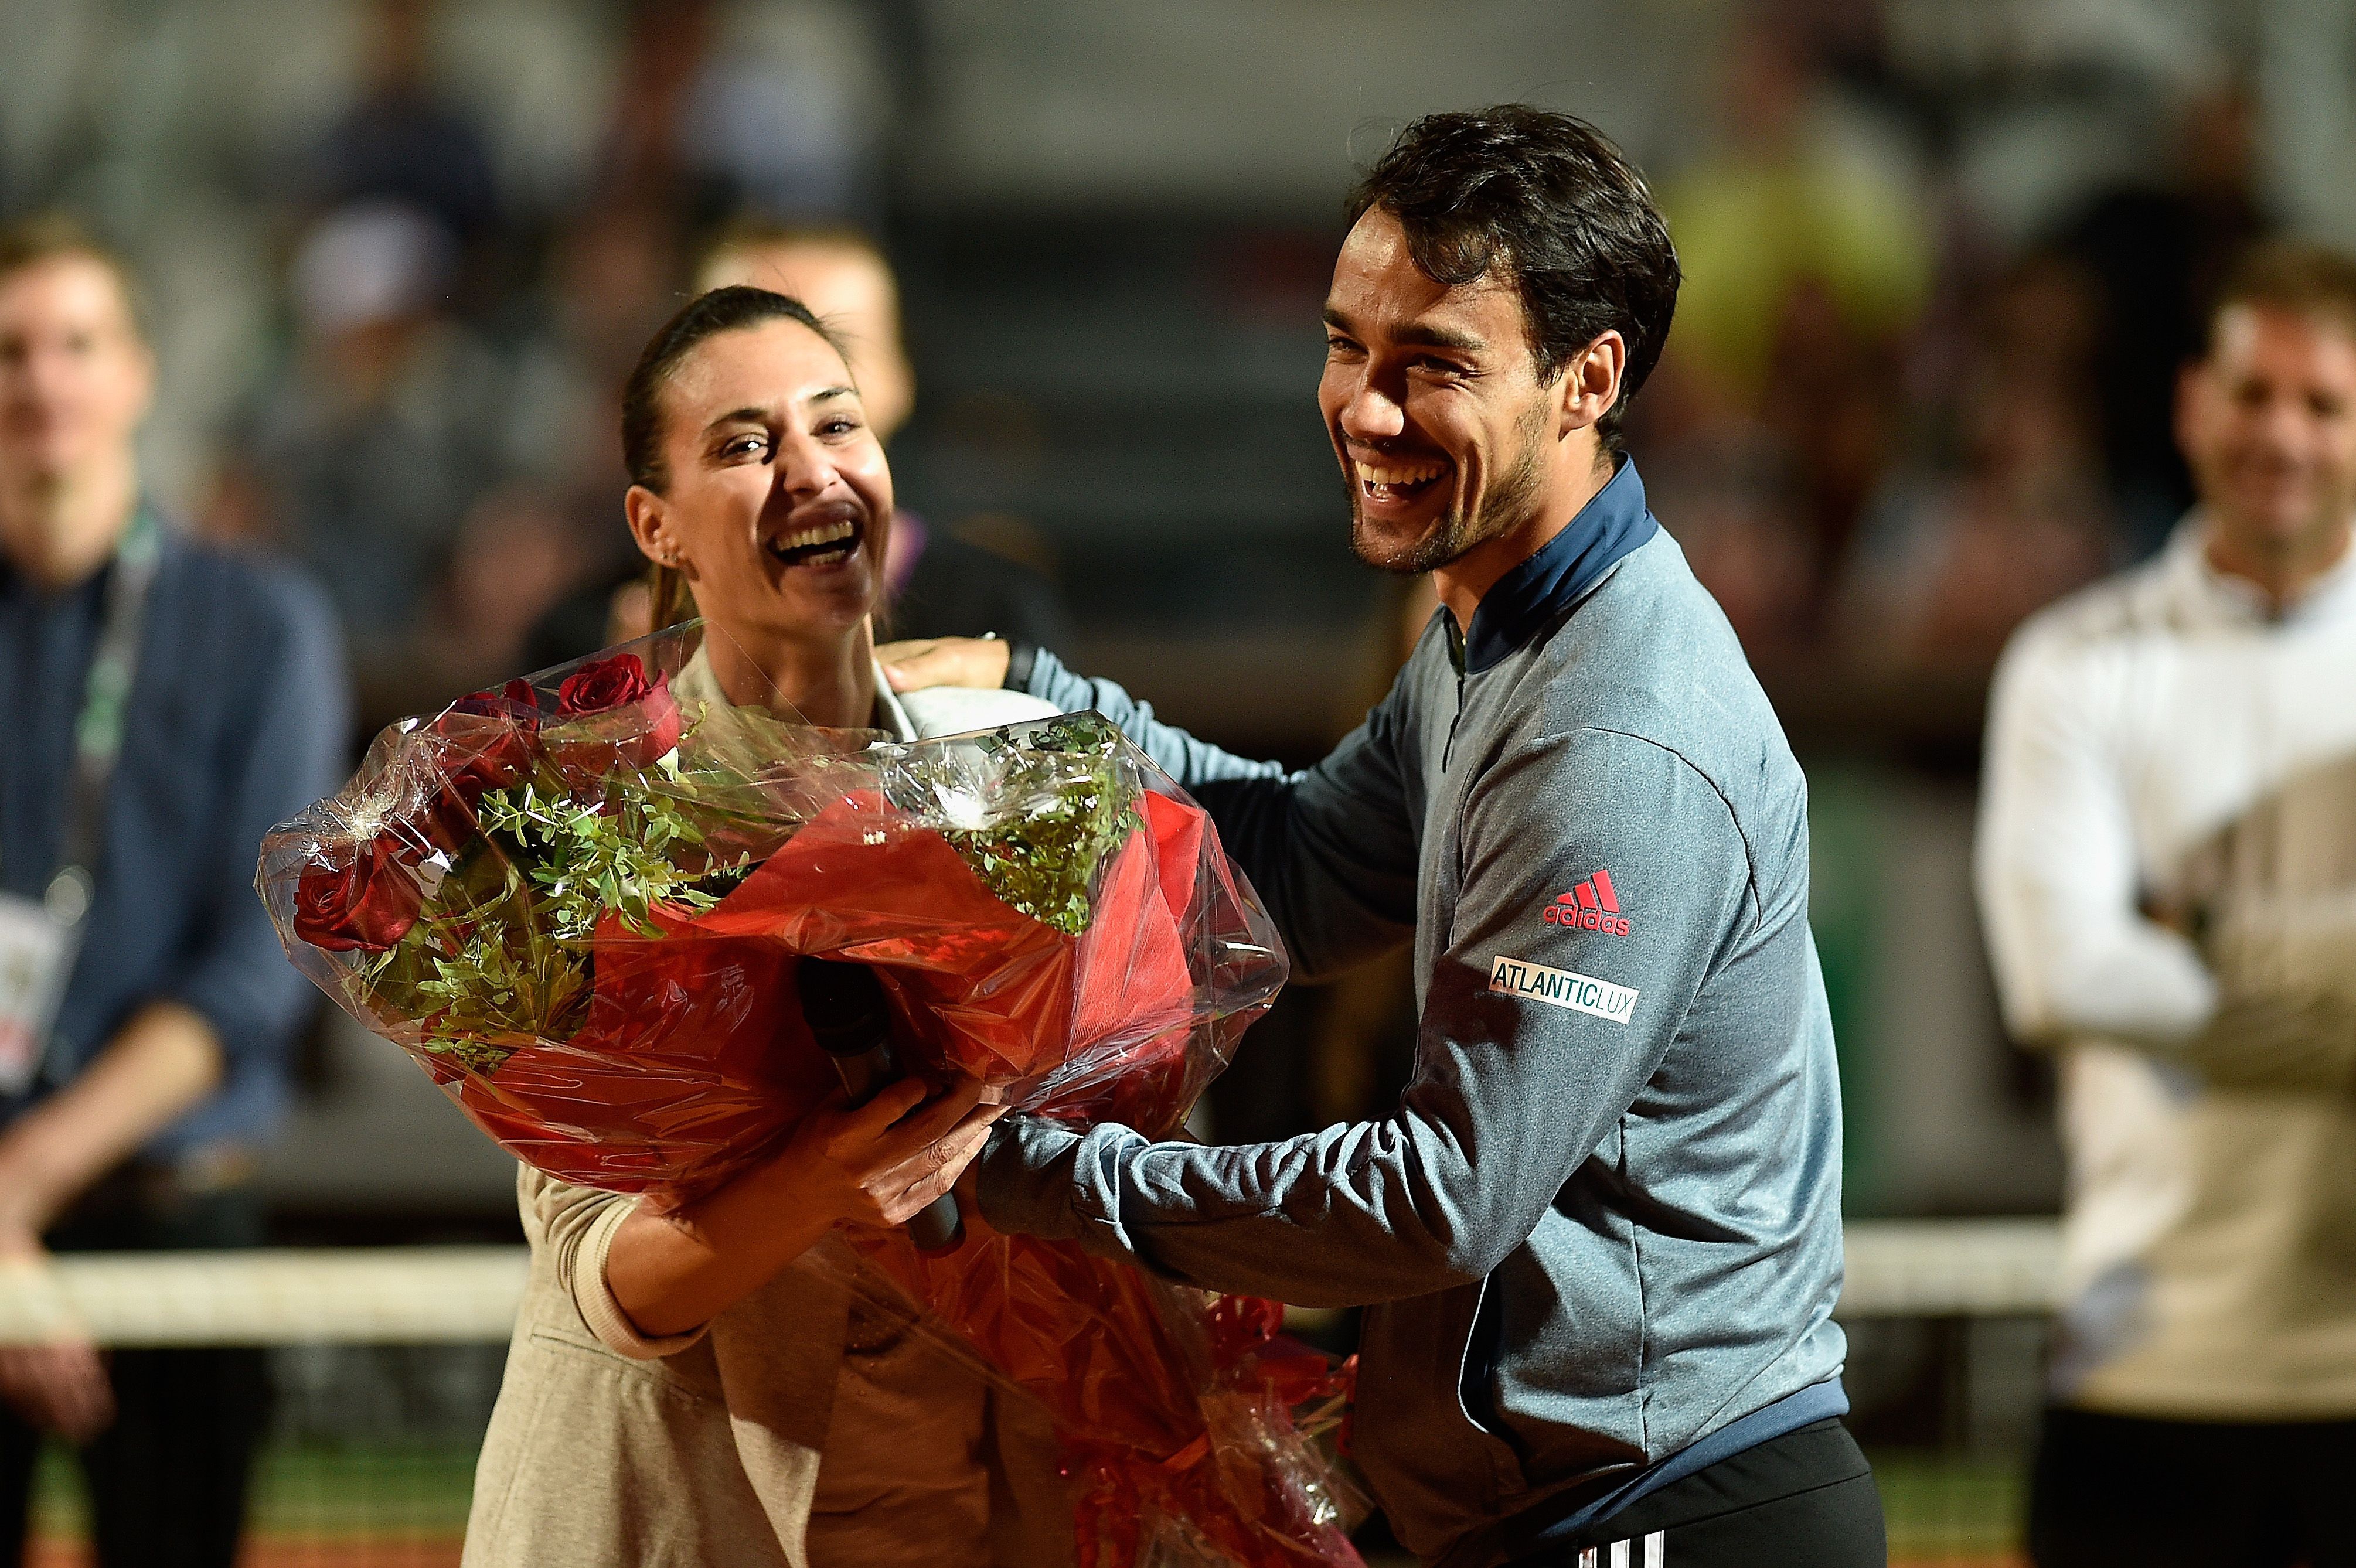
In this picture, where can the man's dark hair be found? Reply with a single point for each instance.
(2297, 278)
(1548, 202)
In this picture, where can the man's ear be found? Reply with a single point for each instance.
(1590, 383)
(648, 517)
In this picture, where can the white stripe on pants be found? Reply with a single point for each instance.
(1618, 1555)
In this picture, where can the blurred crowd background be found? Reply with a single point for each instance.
(1942, 263)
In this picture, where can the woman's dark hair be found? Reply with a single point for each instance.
(731, 309)
(1548, 202)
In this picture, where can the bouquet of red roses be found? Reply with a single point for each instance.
(579, 901)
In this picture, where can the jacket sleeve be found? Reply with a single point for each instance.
(1332, 850)
(2057, 867)
(1537, 1038)
(286, 755)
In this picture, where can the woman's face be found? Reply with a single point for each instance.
(778, 502)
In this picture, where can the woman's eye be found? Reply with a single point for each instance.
(743, 445)
(838, 427)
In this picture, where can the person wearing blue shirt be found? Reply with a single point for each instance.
(1599, 1237)
(163, 704)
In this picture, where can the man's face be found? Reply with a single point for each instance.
(2268, 426)
(1432, 402)
(849, 290)
(74, 376)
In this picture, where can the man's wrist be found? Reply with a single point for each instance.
(1019, 658)
(1021, 1179)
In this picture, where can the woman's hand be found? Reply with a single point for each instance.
(671, 1270)
(978, 662)
(883, 1163)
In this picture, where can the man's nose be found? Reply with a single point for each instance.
(1371, 413)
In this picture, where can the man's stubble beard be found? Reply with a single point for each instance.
(1505, 508)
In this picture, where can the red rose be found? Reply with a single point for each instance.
(602, 684)
(368, 905)
(608, 685)
(514, 700)
(485, 741)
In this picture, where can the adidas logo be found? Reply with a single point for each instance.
(1593, 905)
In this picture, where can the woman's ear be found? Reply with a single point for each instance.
(649, 518)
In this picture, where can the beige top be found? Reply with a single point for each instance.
(794, 1429)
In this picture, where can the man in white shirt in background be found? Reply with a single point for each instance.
(2167, 870)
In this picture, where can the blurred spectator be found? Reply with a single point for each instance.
(1806, 261)
(384, 429)
(2154, 253)
(1960, 550)
(940, 585)
(164, 704)
(2167, 870)
(754, 107)
(402, 141)
(1797, 198)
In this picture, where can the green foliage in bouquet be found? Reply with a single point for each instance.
(483, 967)
(590, 858)
(1078, 805)
(500, 952)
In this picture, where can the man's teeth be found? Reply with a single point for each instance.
(1372, 474)
(824, 534)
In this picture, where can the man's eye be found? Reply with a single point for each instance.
(1340, 346)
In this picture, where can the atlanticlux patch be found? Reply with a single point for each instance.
(1579, 992)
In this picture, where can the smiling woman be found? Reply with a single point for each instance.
(678, 1391)
(761, 493)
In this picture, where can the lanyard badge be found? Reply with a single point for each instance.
(39, 938)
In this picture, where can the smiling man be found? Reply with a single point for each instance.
(1598, 1238)
(2167, 875)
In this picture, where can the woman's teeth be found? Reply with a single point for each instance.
(1387, 480)
(811, 543)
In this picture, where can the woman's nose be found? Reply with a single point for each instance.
(804, 468)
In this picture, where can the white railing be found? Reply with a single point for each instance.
(1928, 1268)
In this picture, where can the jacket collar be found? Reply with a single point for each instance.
(1531, 596)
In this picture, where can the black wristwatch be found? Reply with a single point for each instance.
(1019, 657)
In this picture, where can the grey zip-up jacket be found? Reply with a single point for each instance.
(1602, 1226)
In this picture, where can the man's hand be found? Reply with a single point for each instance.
(60, 1387)
(2284, 1023)
(978, 662)
(2276, 1045)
